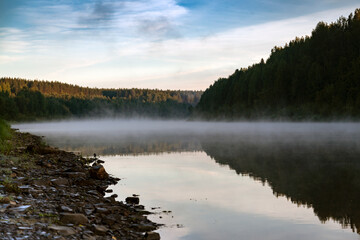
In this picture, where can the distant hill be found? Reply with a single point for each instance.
(22, 99)
(316, 77)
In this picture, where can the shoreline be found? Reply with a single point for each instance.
(47, 193)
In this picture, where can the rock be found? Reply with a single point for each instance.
(88, 237)
(41, 182)
(144, 227)
(75, 174)
(88, 211)
(152, 236)
(108, 190)
(65, 231)
(100, 229)
(74, 218)
(65, 209)
(98, 172)
(102, 210)
(132, 200)
(20, 208)
(60, 181)
(109, 219)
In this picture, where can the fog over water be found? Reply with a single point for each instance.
(112, 130)
(230, 180)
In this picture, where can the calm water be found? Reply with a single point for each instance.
(229, 180)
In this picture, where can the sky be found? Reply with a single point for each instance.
(163, 44)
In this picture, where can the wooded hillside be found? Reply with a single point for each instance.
(316, 77)
(22, 99)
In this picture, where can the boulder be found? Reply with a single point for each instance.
(132, 200)
(98, 172)
(152, 236)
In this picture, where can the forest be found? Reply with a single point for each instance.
(22, 99)
(315, 77)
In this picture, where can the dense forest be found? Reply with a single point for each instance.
(316, 77)
(26, 100)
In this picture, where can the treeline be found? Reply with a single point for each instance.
(22, 99)
(315, 77)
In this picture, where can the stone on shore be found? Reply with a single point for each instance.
(152, 236)
(65, 231)
(74, 218)
(132, 200)
(60, 181)
(98, 172)
(100, 229)
(55, 196)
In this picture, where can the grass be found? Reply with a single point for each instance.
(5, 134)
(10, 186)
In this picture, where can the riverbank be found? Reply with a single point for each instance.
(47, 193)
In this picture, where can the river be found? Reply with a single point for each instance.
(228, 180)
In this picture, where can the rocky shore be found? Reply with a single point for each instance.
(46, 193)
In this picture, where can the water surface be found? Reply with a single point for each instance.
(229, 180)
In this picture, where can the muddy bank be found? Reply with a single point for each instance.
(46, 193)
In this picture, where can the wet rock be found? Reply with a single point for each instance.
(98, 172)
(108, 190)
(74, 218)
(144, 227)
(65, 231)
(100, 229)
(132, 200)
(152, 236)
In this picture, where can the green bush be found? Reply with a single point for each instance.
(4, 130)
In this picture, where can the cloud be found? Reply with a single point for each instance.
(13, 40)
(8, 59)
(158, 28)
(99, 14)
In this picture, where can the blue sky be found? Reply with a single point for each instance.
(163, 44)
